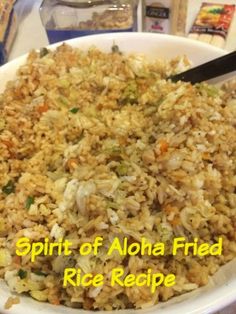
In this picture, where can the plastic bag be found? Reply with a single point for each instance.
(8, 28)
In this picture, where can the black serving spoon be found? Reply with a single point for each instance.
(209, 70)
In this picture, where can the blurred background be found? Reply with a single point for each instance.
(63, 19)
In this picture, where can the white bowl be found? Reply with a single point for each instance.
(221, 290)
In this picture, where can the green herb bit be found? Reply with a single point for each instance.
(9, 187)
(113, 151)
(64, 83)
(130, 94)
(115, 49)
(22, 273)
(113, 205)
(211, 90)
(122, 169)
(29, 202)
(74, 110)
(150, 110)
(159, 102)
(81, 136)
(63, 100)
(40, 273)
(43, 52)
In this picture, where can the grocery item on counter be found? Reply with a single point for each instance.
(212, 23)
(179, 17)
(156, 16)
(8, 28)
(109, 19)
(167, 16)
(64, 19)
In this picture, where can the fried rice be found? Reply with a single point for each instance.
(102, 144)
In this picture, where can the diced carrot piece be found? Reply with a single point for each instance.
(71, 163)
(168, 209)
(16, 259)
(175, 221)
(163, 146)
(42, 108)
(55, 301)
(206, 156)
(8, 143)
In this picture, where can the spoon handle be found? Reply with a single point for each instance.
(209, 70)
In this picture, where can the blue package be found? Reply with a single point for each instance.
(55, 36)
(64, 20)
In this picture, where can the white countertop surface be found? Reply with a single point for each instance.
(31, 35)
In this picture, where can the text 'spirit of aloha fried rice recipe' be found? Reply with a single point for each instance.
(75, 277)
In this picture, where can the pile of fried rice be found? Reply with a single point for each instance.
(102, 144)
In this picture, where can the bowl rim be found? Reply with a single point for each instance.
(120, 35)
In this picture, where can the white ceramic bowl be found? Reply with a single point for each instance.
(221, 290)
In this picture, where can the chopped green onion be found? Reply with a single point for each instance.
(63, 100)
(113, 151)
(29, 202)
(158, 103)
(40, 273)
(9, 187)
(130, 94)
(43, 52)
(64, 83)
(116, 149)
(115, 49)
(22, 273)
(211, 91)
(74, 110)
(122, 169)
(113, 205)
(150, 110)
(81, 136)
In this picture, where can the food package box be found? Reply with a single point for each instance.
(212, 23)
(166, 16)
